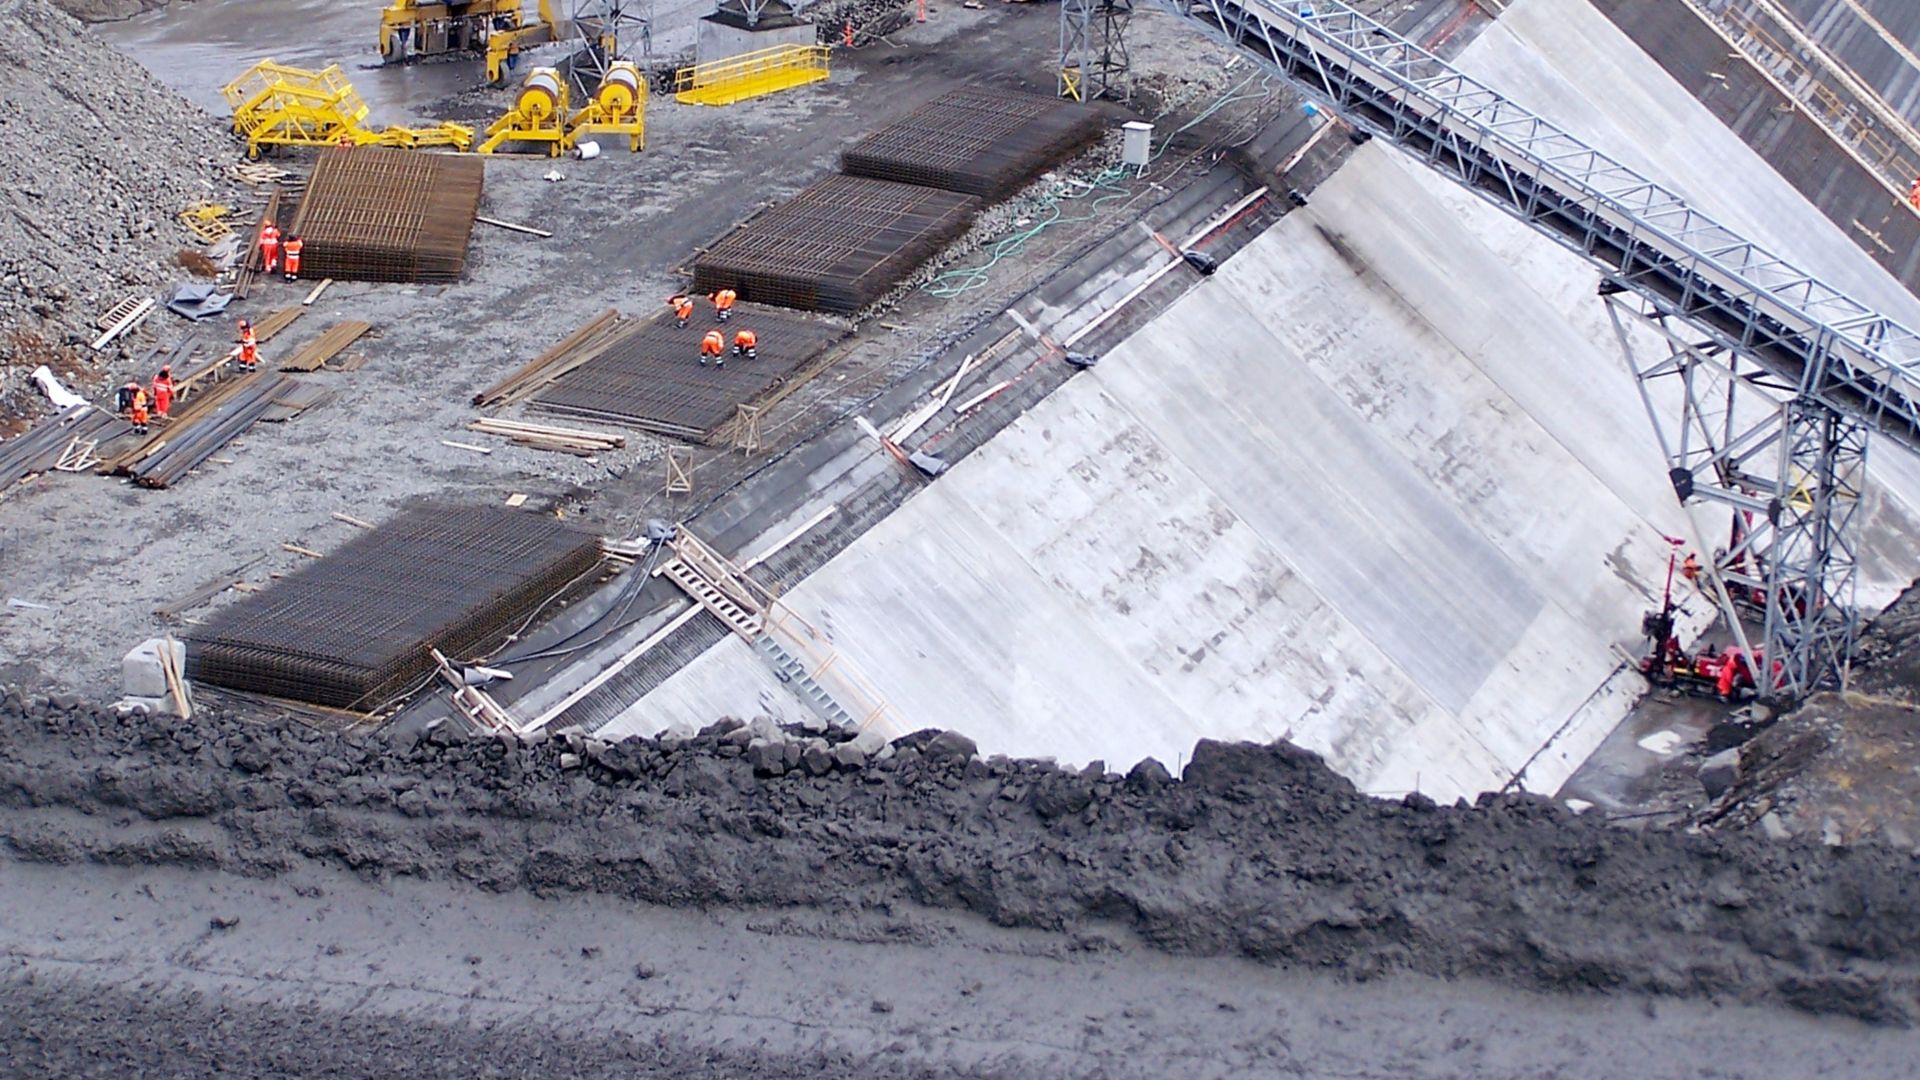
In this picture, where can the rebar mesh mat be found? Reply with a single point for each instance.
(837, 246)
(352, 630)
(377, 214)
(651, 377)
(976, 140)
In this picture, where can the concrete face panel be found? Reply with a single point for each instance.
(1381, 485)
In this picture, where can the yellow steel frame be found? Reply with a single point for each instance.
(277, 105)
(752, 75)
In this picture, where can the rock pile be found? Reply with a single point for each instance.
(1259, 851)
(105, 159)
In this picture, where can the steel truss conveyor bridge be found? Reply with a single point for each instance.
(1762, 382)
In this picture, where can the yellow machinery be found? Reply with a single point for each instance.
(619, 107)
(277, 105)
(539, 114)
(498, 28)
(750, 75)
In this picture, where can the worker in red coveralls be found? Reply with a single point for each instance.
(269, 248)
(1732, 662)
(723, 303)
(163, 392)
(744, 342)
(1913, 193)
(293, 258)
(246, 333)
(713, 347)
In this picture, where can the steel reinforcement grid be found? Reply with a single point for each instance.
(837, 246)
(651, 378)
(377, 214)
(352, 630)
(976, 140)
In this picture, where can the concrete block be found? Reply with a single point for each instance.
(720, 38)
(140, 671)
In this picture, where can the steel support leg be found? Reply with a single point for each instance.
(1787, 469)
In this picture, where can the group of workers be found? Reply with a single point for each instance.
(713, 345)
(134, 400)
(271, 250)
(141, 404)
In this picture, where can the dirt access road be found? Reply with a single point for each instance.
(281, 901)
(324, 974)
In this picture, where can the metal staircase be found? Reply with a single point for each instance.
(798, 654)
(788, 669)
(1810, 370)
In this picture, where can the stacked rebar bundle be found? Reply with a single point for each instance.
(651, 379)
(837, 246)
(354, 630)
(41, 447)
(376, 214)
(210, 420)
(976, 140)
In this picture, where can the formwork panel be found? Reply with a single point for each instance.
(837, 246)
(377, 214)
(976, 140)
(652, 379)
(354, 629)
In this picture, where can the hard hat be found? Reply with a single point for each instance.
(166, 371)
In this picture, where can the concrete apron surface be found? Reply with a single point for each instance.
(1381, 486)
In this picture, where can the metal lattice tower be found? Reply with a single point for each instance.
(1093, 49)
(598, 32)
(1782, 376)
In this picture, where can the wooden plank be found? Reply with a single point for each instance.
(265, 329)
(519, 429)
(298, 550)
(208, 591)
(351, 520)
(498, 224)
(174, 681)
(532, 368)
(467, 446)
(323, 348)
(516, 499)
(317, 290)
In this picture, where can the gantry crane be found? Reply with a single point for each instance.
(496, 29)
(1781, 376)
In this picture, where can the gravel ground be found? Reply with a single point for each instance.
(107, 157)
(623, 227)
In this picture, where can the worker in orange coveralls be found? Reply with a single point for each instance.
(293, 258)
(163, 392)
(744, 342)
(133, 402)
(713, 347)
(723, 303)
(682, 308)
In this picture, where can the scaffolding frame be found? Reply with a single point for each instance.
(1093, 50)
